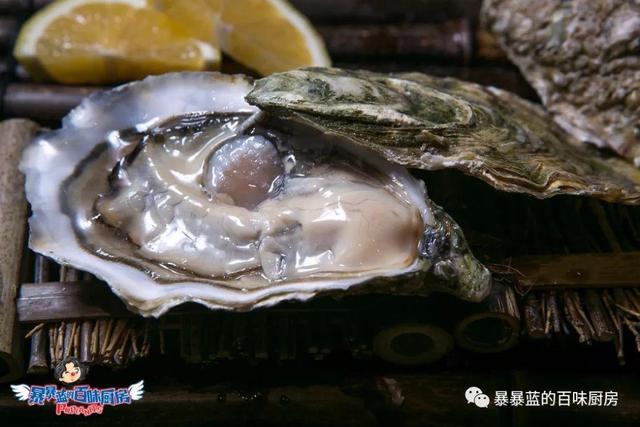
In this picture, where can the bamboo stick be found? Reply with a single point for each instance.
(134, 345)
(552, 304)
(69, 330)
(617, 321)
(602, 323)
(116, 336)
(533, 320)
(574, 318)
(52, 344)
(633, 298)
(59, 343)
(71, 338)
(119, 355)
(633, 330)
(38, 358)
(146, 342)
(105, 338)
(38, 353)
(577, 304)
(623, 303)
(75, 344)
(42, 102)
(95, 341)
(34, 330)
(86, 334)
(452, 39)
(15, 134)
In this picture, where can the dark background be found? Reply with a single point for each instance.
(433, 36)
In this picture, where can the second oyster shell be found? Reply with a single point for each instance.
(582, 58)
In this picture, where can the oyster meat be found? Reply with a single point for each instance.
(433, 123)
(175, 189)
(582, 58)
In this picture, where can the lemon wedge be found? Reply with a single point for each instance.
(98, 42)
(267, 36)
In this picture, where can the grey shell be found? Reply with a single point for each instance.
(582, 58)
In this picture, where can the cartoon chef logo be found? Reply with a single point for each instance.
(70, 371)
(75, 398)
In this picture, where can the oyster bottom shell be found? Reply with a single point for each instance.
(435, 123)
(111, 187)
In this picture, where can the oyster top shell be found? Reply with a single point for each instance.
(174, 189)
(433, 123)
(582, 58)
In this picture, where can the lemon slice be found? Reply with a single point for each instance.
(267, 36)
(93, 41)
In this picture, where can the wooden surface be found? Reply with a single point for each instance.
(603, 270)
(39, 302)
(14, 136)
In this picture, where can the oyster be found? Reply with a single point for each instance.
(175, 189)
(582, 58)
(433, 123)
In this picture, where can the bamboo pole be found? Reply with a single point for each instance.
(86, 332)
(15, 135)
(38, 355)
(42, 102)
(452, 39)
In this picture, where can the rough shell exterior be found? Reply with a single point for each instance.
(582, 58)
(434, 123)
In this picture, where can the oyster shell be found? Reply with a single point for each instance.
(174, 189)
(582, 58)
(434, 123)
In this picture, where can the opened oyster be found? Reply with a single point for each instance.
(174, 189)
